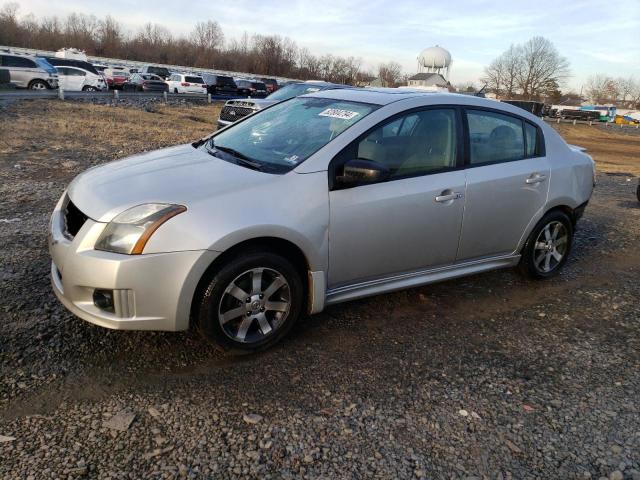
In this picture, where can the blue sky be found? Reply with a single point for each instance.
(596, 36)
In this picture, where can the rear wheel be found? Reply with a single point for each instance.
(251, 302)
(38, 85)
(548, 246)
(89, 88)
(175, 90)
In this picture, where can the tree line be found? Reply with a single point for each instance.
(535, 70)
(204, 47)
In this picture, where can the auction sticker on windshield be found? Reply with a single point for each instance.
(338, 113)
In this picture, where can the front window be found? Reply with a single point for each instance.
(293, 90)
(414, 144)
(283, 136)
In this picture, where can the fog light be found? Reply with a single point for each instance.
(103, 299)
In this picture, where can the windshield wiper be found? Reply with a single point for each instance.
(241, 158)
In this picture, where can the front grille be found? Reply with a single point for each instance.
(232, 113)
(73, 219)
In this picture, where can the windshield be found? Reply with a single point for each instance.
(293, 90)
(283, 136)
(46, 66)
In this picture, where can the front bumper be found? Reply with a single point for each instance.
(150, 292)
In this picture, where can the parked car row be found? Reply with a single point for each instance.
(76, 73)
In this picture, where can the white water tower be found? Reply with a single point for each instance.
(435, 60)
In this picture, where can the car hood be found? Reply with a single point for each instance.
(182, 175)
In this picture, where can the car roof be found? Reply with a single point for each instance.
(385, 96)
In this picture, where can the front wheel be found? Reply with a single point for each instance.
(548, 246)
(251, 302)
(89, 89)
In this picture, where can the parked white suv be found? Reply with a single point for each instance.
(74, 79)
(181, 83)
(28, 71)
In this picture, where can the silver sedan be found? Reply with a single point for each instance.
(317, 200)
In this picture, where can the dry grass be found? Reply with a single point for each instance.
(46, 131)
(613, 150)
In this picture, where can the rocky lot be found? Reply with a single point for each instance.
(491, 376)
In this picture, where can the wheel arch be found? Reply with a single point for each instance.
(278, 245)
(561, 206)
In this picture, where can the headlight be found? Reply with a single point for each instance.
(129, 232)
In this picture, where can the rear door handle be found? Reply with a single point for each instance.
(535, 178)
(448, 197)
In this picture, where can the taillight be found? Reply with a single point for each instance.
(185, 84)
(204, 86)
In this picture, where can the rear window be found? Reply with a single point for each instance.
(222, 80)
(494, 137)
(193, 79)
(158, 71)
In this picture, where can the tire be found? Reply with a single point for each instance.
(38, 85)
(89, 89)
(548, 246)
(638, 191)
(175, 90)
(242, 316)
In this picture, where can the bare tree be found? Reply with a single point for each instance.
(532, 70)
(208, 35)
(542, 69)
(601, 89)
(501, 75)
(390, 74)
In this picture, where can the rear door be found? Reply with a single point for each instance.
(507, 182)
(22, 70)
(75, 79)
(63, 77)
(413, 220)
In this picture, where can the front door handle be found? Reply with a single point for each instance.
(446, 197)
(535, 178)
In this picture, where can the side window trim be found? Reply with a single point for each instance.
(461, 148)
(540, 143)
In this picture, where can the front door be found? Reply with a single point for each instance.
(413, 220)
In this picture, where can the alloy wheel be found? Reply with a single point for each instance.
(254, 305)
(38, 86)
(550, 247)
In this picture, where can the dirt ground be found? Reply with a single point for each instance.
(491, 376)
(615, 149)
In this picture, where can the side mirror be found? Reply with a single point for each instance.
(361, 172)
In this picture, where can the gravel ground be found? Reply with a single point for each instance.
(490, 376)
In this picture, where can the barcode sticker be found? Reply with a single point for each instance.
(338, 113)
